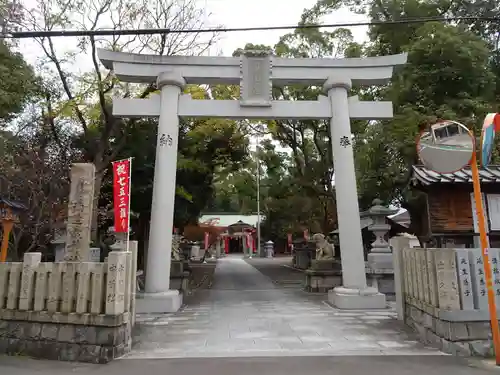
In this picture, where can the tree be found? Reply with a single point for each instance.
(452, 72)
(34, 170)
(86, 98)
(18, 82)
(309, 141)
(286, 206)
(11, 13)
(447, 76)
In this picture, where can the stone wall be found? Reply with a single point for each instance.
(457, 337)
(65, 337)
(443, 297)
(70, 311)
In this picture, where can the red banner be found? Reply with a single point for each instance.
(289, 239)
(306, 235)
(121, 195)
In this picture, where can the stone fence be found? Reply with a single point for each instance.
(76, 311)
(443, 297)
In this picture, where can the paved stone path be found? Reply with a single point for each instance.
(246, 315)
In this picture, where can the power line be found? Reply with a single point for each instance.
(80, 33)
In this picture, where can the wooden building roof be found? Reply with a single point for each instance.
(424, 176)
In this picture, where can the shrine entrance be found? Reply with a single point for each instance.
(235, 245)
(256, 72)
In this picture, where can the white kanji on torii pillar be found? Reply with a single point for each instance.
(256, 72)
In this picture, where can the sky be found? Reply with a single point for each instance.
(233, 14)
(255, 13)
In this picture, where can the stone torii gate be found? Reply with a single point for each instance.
(256, 72)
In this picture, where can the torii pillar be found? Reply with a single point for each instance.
(158, 296)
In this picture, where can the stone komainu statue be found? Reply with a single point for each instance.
(324, 249)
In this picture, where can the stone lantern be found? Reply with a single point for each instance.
(380, 255)
(269, 249)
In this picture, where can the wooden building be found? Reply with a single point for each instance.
(443, 212)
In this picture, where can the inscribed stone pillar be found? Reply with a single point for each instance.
(495, 273)
(399, 244)
(354, 293)
(478, 279)
(80, 204)
(431, 269)
(27, 293)
(116, 285)
(447, 279)
(419, 257)
(407, 274)
(464, 279)
(425, 276)
(417, 280)
(14, 286)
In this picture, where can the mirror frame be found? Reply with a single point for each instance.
(426, 128)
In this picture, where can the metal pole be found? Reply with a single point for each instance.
(258, 197)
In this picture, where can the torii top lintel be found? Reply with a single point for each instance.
(139, 68)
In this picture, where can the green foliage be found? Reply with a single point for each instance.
(18, 82)
(453, 72)
(447, 76)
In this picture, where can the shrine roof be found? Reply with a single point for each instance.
(225, 220)
(425, 176)
(12, 204)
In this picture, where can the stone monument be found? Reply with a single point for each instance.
(80, 206)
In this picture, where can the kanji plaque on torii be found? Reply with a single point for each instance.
(256, 80)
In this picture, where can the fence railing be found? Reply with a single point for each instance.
(70, 287)
(449, 279)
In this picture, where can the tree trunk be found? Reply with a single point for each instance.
(94, 234)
